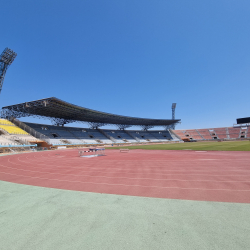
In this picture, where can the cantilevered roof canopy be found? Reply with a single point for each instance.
(62, 112)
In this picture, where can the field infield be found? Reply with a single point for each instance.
(203, 145)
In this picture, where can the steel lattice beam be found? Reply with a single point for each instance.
(146, 127)
(167, 127)
(55, 109)
(95, 125)
(123, 126)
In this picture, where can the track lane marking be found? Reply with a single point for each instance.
(103, 183)
(131, 178)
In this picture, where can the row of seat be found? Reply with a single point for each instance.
(14, 130)
(11, 128)
(71, 135)
(5, 141)
(214, 133)
(12, 135)
(5, 122)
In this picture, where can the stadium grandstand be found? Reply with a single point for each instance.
(62, 113)
(12, 135)
(14, 132)
(226, 133)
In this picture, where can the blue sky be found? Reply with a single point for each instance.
(132, 58)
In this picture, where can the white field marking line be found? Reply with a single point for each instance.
(111, 167)
(35, 162)
(55, 166)
(110, 177)
(49, 165)
(30, 159)
(123, 172)
(50, 160)
(43, 161)
(126, 172)
(44, 164)
(44, 155)
(116, 172)
(35, 156)
(111, 184)
(70, 160)
(172, 160)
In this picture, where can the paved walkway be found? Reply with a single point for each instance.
(37, 218)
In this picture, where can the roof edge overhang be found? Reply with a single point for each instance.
(58, 109)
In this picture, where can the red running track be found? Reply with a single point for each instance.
(190, 175)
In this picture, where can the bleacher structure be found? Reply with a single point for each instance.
(225, 133)
(72, 136)
(13, 131)
(64, 135)
(12, 135)
(62, 113)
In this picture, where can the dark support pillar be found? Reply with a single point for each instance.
(96, 125)
(146, 127)
(123, 126)
(59, 121)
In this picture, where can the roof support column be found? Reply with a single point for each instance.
(146, 127)
(59, 121)
(123, 126)
(167, 127)
(96, 125)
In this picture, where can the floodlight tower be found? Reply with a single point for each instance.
(6, 59)
(173, 114)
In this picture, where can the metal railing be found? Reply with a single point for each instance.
(30, 130)
(17, 140)
(173, 134)
(131, 135)
(106, 135)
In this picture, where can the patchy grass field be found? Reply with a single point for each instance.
(217, 146)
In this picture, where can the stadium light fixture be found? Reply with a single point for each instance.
(6, 59)
(173, 114)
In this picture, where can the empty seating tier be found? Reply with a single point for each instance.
(221, 133)
(224, 133)
(194, 134)
(10, 128)
(71, 135)
(5, 122)
(234, 132)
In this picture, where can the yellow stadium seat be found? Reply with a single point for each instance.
(6, 122)
(13, 130)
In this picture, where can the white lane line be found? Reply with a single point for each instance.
(117, 172)
(111, 184)
(130, 178)
(122, 168)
